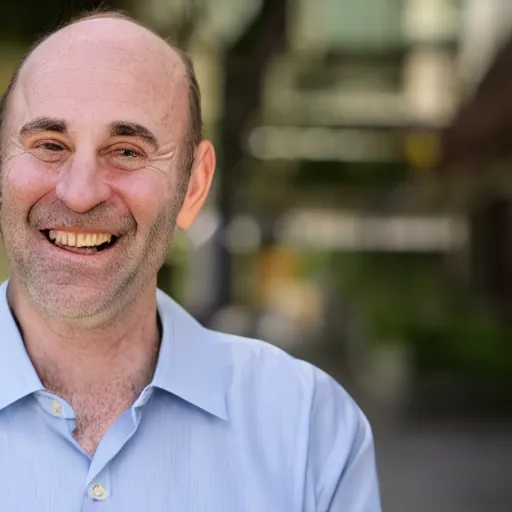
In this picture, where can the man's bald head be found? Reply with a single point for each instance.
(99, 139)
(193, 134)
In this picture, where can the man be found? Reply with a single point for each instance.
(111, 396)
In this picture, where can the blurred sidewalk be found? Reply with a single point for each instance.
(444, 467)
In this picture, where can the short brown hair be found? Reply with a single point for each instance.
(194, 133)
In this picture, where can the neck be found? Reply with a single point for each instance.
(72, 356)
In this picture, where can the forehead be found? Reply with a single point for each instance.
(98, 71)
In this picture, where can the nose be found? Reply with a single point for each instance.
(81, 185)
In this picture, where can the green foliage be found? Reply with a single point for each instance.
(409, 299)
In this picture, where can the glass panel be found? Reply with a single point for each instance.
(366, 24)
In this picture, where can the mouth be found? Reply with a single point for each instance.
(79, 242)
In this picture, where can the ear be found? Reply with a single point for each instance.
(199, 184)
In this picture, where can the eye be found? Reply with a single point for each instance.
(49, 151)
(50, 146)
(128, 153)
(124, 157)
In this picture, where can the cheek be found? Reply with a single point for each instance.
(148, 195)
(24, 181)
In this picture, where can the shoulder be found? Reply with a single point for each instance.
(280, 382)
(292, 414)
(253, 359)
(312, 415)
(260, 371)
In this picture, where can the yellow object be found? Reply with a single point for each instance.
(98, 492)
(422, 149)
(56, 408)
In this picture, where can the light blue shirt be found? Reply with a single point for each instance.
(227, 425)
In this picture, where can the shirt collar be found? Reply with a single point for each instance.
(191, 365)
(18, 377)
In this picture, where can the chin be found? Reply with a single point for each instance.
(73, 302)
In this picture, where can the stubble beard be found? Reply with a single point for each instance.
(135, 275)
(134, 271)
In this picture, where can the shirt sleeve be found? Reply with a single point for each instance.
(341, 461)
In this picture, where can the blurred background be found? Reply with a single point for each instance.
(362, 211)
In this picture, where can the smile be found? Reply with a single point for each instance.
(79, 241)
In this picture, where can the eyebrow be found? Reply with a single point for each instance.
(44, 124)
(128, 128)
(116, 129)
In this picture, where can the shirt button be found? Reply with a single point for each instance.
(56, 408)
(98, 492)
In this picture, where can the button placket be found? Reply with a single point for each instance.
(100, 486)
(54, 405)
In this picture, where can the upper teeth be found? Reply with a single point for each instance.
(79, 239)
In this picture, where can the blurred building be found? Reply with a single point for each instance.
(331, 120)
